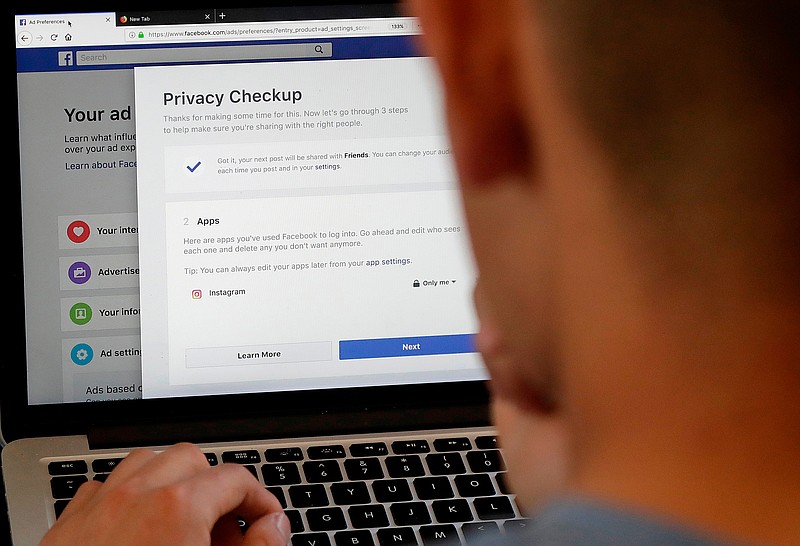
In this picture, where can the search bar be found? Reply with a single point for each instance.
(162, 55)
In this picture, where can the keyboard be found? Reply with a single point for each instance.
(398, 491)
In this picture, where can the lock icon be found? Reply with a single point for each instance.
(141, 35)
(416, 284)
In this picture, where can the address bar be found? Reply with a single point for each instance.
(303, 29)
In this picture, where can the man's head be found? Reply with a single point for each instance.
(630, 178)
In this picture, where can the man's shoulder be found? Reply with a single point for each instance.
(578, 522)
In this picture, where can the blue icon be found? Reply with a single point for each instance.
(81, 354)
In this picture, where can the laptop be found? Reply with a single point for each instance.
(240, 227)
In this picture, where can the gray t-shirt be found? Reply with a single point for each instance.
(578, 522)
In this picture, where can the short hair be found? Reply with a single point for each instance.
(696, 103)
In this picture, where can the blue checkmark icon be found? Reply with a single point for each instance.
(193, 168)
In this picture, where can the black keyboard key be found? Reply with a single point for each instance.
(409, 447)
(322, 471)
(65, 487)
(368, 517)
(433, 488)
(279, 494)
(101, 477)
(280, 474)
(346, 494)
(398, 536)
(296, 520)
(452, 511)
(59, 507)
(475, 533)
(252, 470)
(326, 452)
(475, 485)
(494, 508)
(452, 444)
(104, 466)
(307, 496)
(410, 513)
(372, 449)
(326, 519)
(433, 535)
(445, 464)
(486, 461)
(311, 539)
(212, 459)
(353, 538)
(242, 456)
(67, 468)
(283, 455)
(405, 467)
(364, 469)
(391, 490)
(486, 442)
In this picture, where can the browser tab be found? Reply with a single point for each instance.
(183, 17)
(60, 30)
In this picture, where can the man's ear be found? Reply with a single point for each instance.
(474, 45)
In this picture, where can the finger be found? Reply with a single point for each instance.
(230, 488)
(130, 465)
(177, 463)
(227, 532)
(271, 530)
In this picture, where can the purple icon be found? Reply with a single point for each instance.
(80, 272)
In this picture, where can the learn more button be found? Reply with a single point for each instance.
(213, 357)
(407, 346)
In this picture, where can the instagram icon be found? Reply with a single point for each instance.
(197, 294)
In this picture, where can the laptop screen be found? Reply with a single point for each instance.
(237, 201)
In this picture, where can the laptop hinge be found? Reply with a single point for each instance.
(286, 426)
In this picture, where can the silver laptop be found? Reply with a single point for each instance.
(240, 227)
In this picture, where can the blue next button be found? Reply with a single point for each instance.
(406, 346)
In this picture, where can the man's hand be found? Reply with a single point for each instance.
(173, 498)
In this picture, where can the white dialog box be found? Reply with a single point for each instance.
(299, 228)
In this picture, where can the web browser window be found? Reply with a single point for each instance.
(221, 202)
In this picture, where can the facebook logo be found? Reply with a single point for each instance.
(23, 22)
(65, 58)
